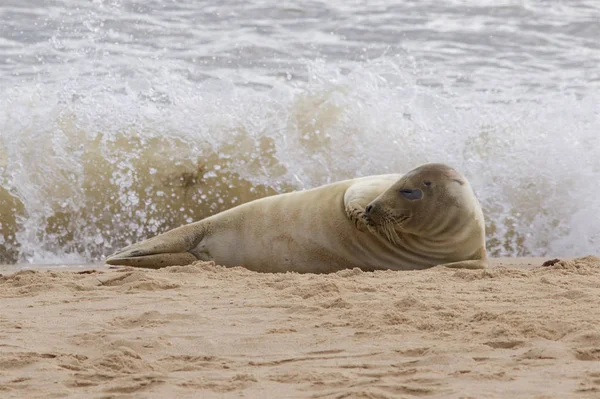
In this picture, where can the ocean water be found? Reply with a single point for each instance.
(120, 119)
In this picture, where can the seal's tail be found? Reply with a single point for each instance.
(168, 249)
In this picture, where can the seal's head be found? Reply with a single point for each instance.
(431, 200)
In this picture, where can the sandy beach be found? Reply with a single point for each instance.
(516, 330)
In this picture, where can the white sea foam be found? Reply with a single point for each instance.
(110, 143)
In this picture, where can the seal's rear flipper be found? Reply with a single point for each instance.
(468, 264)
(168, 249)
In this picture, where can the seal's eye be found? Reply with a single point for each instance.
(411, 194)
(427, 183)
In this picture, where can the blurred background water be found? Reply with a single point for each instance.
(120, 119)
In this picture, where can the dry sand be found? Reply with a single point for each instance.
(205, 331)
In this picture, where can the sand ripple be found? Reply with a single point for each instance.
(205, 330)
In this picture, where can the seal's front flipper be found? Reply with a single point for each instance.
(361, 193)
(168, 249)
(356, 214)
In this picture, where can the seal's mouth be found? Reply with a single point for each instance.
(387, 226)
(397, 220)
(402, 219)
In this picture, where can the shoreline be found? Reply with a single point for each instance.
(518, 262)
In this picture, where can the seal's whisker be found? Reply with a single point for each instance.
(396, 238)
(387, 227)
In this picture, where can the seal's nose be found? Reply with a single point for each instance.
(368, 208)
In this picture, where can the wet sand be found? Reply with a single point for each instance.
(516, 330)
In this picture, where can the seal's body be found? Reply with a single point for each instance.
(427, 217)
